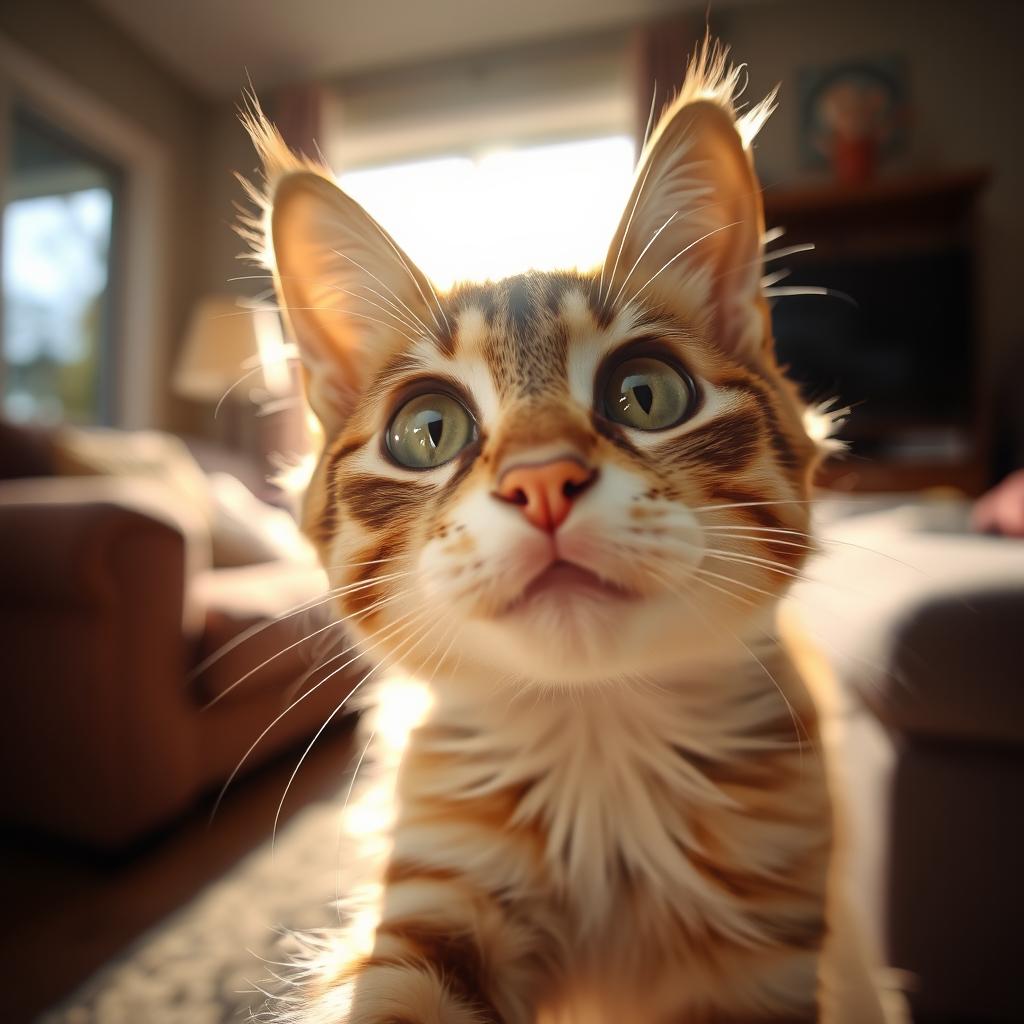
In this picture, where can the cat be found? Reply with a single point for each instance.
(569, 504)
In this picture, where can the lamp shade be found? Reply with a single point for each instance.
(228, 342)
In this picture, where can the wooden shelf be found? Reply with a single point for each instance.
(909, 199)
(856, 475)
(870, 233)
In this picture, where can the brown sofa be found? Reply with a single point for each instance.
(921, 622)
(107, 604)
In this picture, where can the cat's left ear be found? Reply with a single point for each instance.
(352, 297)
(691, 235)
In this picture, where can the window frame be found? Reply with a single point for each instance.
(106, 392)
(140, 296)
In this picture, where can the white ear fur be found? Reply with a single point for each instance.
(691, 236)
(352, 297)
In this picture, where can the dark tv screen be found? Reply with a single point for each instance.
(892, 342)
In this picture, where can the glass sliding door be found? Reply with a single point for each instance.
(59, 236)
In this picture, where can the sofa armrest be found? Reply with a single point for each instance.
(98, 741)
(56, 534)
(921, 625)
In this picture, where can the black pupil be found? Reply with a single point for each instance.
(644, 394)
(435, 428)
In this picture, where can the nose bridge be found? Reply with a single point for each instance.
(538, 431)
(542, 459)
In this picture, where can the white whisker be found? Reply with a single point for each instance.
(294, 704)
(625, 232)
(398, 317)
(752, 504)
(231, 387)
(682, 252)
(330, 718)
(788, 290)
(643, 252)
(291, 647)
(739, 583)
(401, 259)
(391, 291)
(754, 561)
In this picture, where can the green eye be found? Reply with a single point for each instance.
(429, 430)
(647, 394)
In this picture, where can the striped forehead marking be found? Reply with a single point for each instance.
(472, 329)
(521, 327)
(575, 311)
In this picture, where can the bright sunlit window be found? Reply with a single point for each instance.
(539, 207)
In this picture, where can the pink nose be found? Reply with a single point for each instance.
(545, 492)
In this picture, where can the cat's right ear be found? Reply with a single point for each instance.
(349, 293)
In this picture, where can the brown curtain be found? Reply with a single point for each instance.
(298, 113)
(661, 50)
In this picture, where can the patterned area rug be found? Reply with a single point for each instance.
(208, 963)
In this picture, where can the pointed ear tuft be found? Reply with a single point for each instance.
(351, 297)
(691, 236)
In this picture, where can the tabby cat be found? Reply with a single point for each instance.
(563, 500)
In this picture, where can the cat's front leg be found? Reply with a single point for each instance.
(444, 952)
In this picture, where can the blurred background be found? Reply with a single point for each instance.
(159, 605)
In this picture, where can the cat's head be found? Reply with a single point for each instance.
(558, 477)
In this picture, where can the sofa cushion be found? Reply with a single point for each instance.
(922, 625)
(246, 530)
(25, 451)
(243, 529)
(263, 628)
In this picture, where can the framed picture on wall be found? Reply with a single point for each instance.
(853, 116)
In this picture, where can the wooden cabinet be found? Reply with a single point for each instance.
(890, 326)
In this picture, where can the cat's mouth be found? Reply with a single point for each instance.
(567, 580)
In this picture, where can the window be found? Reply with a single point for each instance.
(509, 210)
(58, 235)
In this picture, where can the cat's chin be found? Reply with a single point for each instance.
(568, 590)
(576, 632)
(573, 636)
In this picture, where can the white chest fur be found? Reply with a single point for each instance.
(621, 782)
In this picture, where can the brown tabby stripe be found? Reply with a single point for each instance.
(476, 296)
(727, 444)
(521, 309)
(456, 957)
(764, 514)
(742, 885)
(374, 562)
(377, 502)
(401, 363)
(464, 464)
(780, 442)
(600, 306)
(342, 452)
(444, 336)
(321, 530)
(777, 437)
(612, 432)
(405, 871)
(762, 772)
(804, 935)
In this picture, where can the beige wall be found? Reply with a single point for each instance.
(228, 152)
(77, 43)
